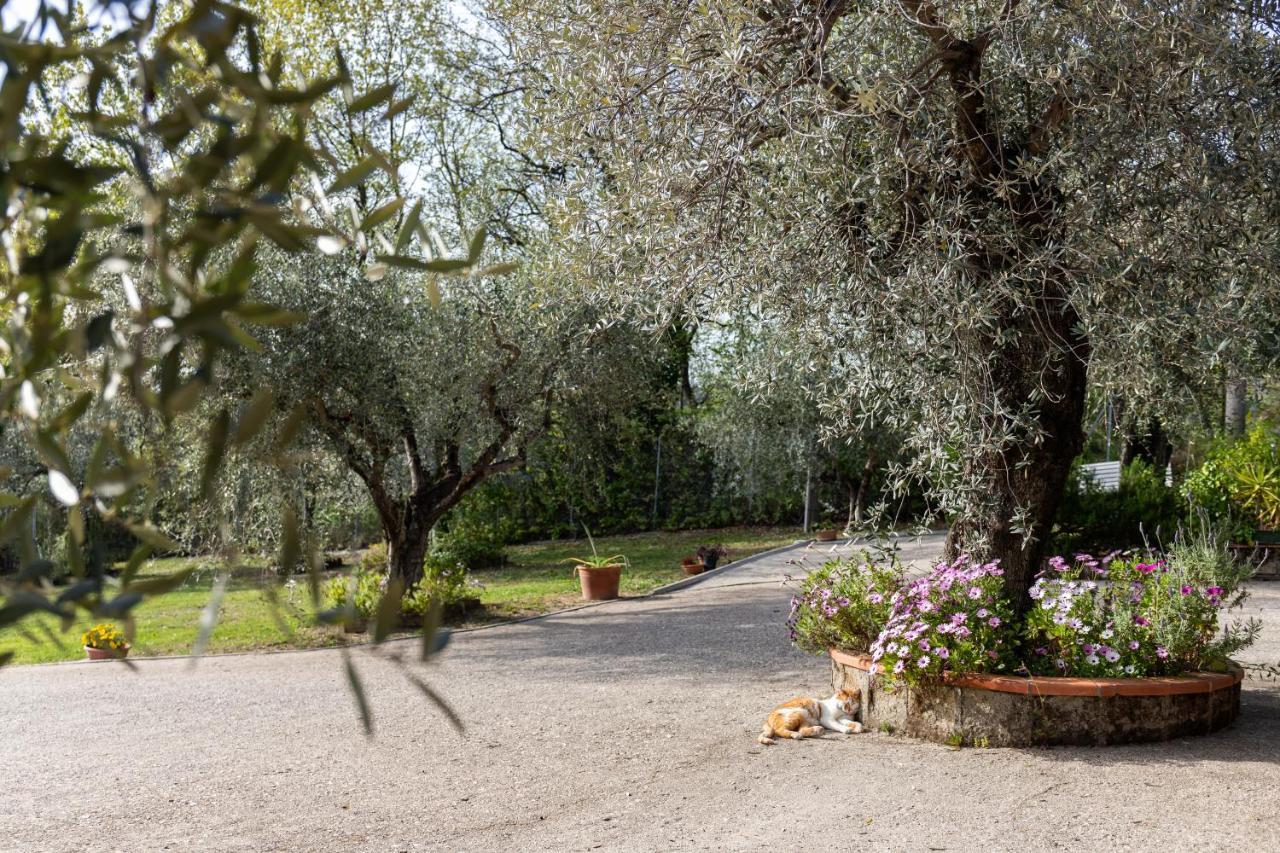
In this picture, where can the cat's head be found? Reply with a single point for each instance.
(850, 700)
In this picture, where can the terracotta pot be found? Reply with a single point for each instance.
(599, 584)
(691, 567)
(826, 535)
(106, 654)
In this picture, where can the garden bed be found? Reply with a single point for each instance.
(1004, 710)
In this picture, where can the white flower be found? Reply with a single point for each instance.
(1092, 660)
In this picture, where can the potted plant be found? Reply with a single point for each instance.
(104, 641)
(599, 576)
(710, 555)
(691, 565)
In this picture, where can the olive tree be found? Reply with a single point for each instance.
(421, 392)
(975, 209)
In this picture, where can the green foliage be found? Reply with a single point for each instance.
(1237, 483)
(137, 206)
(469, 545)
(1142, 510)
(443, 585)
(844, 604)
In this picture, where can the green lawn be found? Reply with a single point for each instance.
(535, 580)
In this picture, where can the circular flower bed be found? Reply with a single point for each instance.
(1004, 710)
(1110, 650)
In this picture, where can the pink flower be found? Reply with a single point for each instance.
(1186, 590)
(994, 621)
(1139, 620)
(1133, 645)
(1162, 652)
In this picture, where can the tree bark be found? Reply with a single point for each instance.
(1234, 406)
(1028, 478)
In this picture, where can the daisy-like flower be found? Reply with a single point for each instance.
(1111, 655)
(875, 598)
(1089, 648)
(1107, 634)
(1077, 624)
(942, 652)
(1139, 620)
(975, 592)
(1186, 590)
(923, 662)
(1133, 645)
(923, 644)
(899, 667)
(1092, 660)
(983, 613)
(994, 621)
(1042, 650)
(1162, 652)
(842, 601)
(1128, 670)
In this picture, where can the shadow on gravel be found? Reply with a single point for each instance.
(1254, 738)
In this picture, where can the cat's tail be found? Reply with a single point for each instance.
(766, 735)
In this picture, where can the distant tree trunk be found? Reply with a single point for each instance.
(864, 486)
(1234, 407)
(1151, 446)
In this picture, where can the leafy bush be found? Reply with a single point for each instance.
(474, 546)
(1142, 509)
(953, 619)
(843, 604)
(1137, 617)
(1232, 485)
(442, 581)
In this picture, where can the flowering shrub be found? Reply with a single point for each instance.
(1137, 616)
(843, 604)
(103, 636)
(954, 618)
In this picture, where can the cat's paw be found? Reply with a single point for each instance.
(854, 729)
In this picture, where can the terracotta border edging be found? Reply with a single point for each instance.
(1196, 682)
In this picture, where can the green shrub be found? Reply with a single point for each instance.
(1219, 487)
(444, 582)
(1143, 509)
(474, 546)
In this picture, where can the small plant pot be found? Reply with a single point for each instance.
(691, 567)
(599, 584)
(106, 654)
(826, 535)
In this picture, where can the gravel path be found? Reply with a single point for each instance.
(628, 726)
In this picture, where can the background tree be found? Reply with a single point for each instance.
(971, 206)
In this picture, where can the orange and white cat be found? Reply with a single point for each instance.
(804, 717)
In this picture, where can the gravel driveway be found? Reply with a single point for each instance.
(627, 726)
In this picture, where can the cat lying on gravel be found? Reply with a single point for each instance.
(804, 717)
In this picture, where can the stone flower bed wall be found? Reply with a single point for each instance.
(1001, 710)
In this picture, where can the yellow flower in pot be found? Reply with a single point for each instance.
(104, 641)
